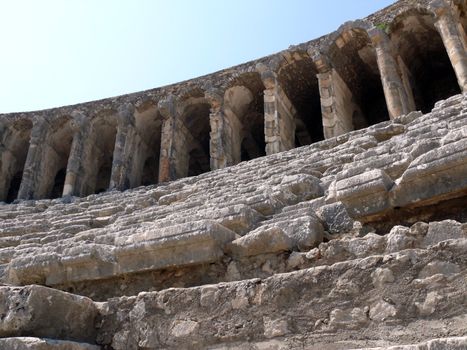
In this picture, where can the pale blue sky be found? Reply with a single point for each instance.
(60, 52)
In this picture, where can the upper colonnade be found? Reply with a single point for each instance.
(403, 58)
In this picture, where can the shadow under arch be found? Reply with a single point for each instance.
(244, 109)
(422, 58)
(296, 74)
(358, 80)
(194, 117)
(59, 140)
(99, 152)
(148, 122)
(15, 143)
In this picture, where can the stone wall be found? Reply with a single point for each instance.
(401, 59)
(357, 241)
(334, 216)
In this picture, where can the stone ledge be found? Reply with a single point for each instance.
(30, 343)
(348, 301)
(43, 312)
(453, 343)
(145, 248)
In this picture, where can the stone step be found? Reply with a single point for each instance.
(342, 305)
(46, 313)
(32, 343)
(147, 247)
(452, 343)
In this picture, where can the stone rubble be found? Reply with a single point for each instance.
(300, 235)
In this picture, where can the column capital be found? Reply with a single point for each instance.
(377, 36)
(167, 106)
(268, 76)
(39, 128)
(215, 97)
(126, 114)
(322, 62)
(79, 120)
(439, 8)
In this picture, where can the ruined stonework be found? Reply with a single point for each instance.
(334, 215)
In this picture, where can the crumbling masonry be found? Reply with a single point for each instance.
(312, 199)
(366, 72)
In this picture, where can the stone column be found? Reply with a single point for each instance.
(4, 157)
(394, 90)
(336, 98)
(167, 160)
(220, 144)
(120, 178)
(453, 40)
(33, 167)
(75, 171)
(279, 116)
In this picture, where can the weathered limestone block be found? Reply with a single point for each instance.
(323, 302)
(32, 268)
(393, 165)
(304, 186)
(264, 204)
(453, 343)
(434, 176)
(364, 194)
(443, 230)
(238, 218)
(287, 232)
(386, 130)
(408, 118)
(43, 312)
(351, 248)
(30, 343)
(191, 243)
(261, 241)
(149, 247)
(81, 263)
(348, 319)
(335, 218)
(399, 238)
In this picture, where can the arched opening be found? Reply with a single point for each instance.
(423, 59)
(15, 183)
(358, 84)
(15, 141)
(57, 151)
(103, 176)
(100, 150)
(148, 125)
(299, 82)
(150, 171)
(59, 182)
(244, 109)
(253, 143)
(196, 122)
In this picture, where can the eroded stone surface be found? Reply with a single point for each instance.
(30, 343)
(44, 312)
(357, 240)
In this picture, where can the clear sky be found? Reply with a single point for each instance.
(60, 52)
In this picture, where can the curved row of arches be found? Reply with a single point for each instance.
(361, 75)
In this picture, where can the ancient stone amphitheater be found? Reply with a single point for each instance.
(334, 215)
